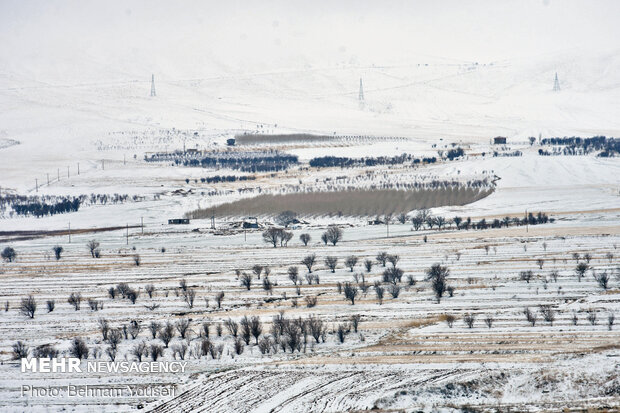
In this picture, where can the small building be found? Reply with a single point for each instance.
(178, 221)
(499, 140)
(251, 222)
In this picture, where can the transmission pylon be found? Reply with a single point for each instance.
(556, 83)
(153, 86)
(361, 96)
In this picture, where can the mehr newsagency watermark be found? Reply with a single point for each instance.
(76, 366)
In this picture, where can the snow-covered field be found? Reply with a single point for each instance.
(76, 119)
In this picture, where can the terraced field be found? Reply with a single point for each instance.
(404, 353)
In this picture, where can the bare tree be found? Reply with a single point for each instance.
(293, 274)
(392, 275)
(341, 333)
(417, 222)
(238, 346)
(246, 331)
(331, 263)
(78, 348)
(540, 262)
(440, 222)
(310, 301)
(51, 304)
(286, 218)
(368, 265)
(547, 313)
(488, 320)
(610, 320)
(189, 297)
(526, 275)
(257, 270)
(382, 258)
(394, 290)
(438, 275)
(393, 259)
(309, 261)
(530, 316)
(92, 246)
(134, 328)
(316, 327)
(450, 320)
(28, 306)
(154, 328)
(104, 327)
(591, 317)
(305, 238)
(351, 262)
(334, 234)
(150, 289)
(140, 350)
(133, 295)
(182, 327)
(324, 238)
(246, 281)
(180, 351)
(356, 319)
(350, 292)
(267, 285)
(232, 326)
(156, 351)
(57, 252)
(256, 328)
(137, 260)
(469, 320)
(581, 269)
(218, 299)
(603, 280)
(272, 236)
(166, 334)
(379, 291)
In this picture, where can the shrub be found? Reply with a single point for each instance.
(57, 252)
(78, 348)
(8, 254)
(20, 350)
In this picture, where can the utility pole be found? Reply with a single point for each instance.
(153, 94)
(67, 172)
(78, 168)
(58, 174)
(124, 161)
(69, 232)
(36, 184)
(127, 233)
(142, 224)
(48, 178)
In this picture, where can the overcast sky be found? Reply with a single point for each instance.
(183, 38)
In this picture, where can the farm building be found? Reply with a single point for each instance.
(499, 140)
(178, 221)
